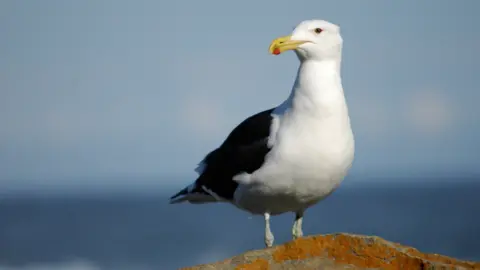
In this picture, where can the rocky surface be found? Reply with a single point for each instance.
(339, 251)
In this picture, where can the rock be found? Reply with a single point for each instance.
(338, 251)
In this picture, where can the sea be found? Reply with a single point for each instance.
(141, 230)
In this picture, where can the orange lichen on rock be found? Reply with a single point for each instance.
(301, 249)
(338, 251)
(367, 252)
(258, 264)
(437, 258)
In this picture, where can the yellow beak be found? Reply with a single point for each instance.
(282, 44)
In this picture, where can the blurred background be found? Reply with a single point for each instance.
(107, 106)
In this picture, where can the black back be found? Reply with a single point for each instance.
(244, 150)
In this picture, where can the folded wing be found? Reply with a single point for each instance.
(244, 150)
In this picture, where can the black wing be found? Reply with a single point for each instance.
(244, 150)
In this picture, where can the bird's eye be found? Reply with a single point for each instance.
(318, 30)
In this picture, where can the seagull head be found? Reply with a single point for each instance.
(311, 40)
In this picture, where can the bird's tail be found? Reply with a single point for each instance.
(181, 196)
(193, 195)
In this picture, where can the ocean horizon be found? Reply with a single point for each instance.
(140, 230)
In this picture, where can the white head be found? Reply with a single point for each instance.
(312, 40)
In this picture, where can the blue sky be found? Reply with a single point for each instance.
(111, 88)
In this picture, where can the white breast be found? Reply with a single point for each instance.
(312, 146)
(311, 155)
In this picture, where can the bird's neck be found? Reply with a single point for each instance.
(318, 88)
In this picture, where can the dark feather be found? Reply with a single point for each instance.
(244, 150)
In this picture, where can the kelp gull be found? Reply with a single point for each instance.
(287, 158)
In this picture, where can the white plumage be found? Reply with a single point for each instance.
(310, 143)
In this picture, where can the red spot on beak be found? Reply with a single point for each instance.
(276, 51)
